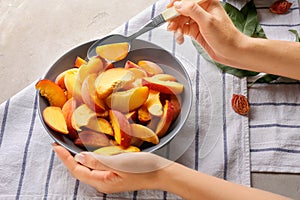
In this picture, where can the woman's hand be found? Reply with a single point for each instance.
(110, 174)
(208, 23)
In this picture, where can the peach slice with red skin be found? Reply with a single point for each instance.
(113, 52)
(89, 95)
(54, 118)
(91, 139)
(112, 79)
(114, 150)
(129, 64)
(154, 104)
(67, 111)
(128, 100)
(168, 87)
(176, 105)
(121, 127)
(166, 120)
(144, 133)
(52, 92)
(150, 67)
(143, 115)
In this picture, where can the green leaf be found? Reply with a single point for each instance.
(246, 21)
(251, 20)
(296, 34)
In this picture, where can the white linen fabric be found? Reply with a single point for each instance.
(223, 143)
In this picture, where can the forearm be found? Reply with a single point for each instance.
(269, 56)
(190, 184)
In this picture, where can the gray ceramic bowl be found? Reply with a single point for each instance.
(139, 50)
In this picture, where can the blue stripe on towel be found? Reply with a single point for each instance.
(278, 83)
(49, 175)
(275, 149)
(135, 193)
(77, 182)
(4, 121)
(273, 125)
(165, 195)
(224, 127)
(126, 28)
(282, 25)
(267, 8)
(196, 165)
(34, 112)
(274, 104)
(152, 16)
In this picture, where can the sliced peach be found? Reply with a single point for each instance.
(150, 67)
(137, 142)
(91, 139)
(83, 116)
(138, 73)
(126, 101)
(54, 118)
(176, 105)
(112, 79)
(89, 95)
(68, 110)
(121, 127)
(102, 114)
(132, 116)
(70, 80)
(60, 79)
(94, 66)
(114, 150)
(164, 77)
(79, 61)
(168, 87)
(113, 52)
(108, 66)
(53, 93)
(154, 104)
(144, 133)
(153, 123)
(143, 115)
(103, 126)
(129, 64)
(76, 93)
(166, 120)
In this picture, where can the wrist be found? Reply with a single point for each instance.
(236, 52)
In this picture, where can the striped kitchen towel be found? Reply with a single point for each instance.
(275, 107)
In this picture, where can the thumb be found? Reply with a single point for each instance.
(190, 9)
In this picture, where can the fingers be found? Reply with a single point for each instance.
(83, 173)
(127, 162)
(191, 9)
(90, 160)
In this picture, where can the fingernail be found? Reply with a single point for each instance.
(177, 4)
(80, 158)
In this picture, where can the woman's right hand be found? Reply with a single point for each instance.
(208, 23)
